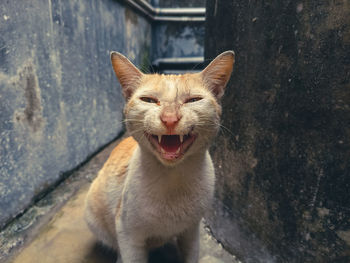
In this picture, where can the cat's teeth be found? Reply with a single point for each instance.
(178, 150)
(159, 138)
(181, 138)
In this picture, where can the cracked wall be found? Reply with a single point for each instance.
(59, 98)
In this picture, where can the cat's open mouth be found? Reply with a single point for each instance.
(171, 147)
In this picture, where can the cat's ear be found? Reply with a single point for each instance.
(218, 72)
(129, 76)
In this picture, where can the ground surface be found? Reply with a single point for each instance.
(53, 230)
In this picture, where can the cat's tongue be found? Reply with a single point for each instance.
(171, 147)
(170, 143)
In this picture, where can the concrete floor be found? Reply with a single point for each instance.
(60, 235)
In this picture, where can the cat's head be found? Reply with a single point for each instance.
(173, 116)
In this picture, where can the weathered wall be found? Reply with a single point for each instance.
(177, 39)
(59, 100)
(283, 159)
(181, 39)
(178, 35)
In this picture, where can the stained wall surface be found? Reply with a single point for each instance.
(282, 158)
(59, 98)
(179, 40)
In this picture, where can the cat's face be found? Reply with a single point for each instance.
(173, 116)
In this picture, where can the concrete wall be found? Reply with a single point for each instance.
(59, 98)
(178, 39)
(282, 159)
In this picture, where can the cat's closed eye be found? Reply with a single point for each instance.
(149, 100)
(194, 99)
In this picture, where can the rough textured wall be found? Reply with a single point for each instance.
(181, 39)
(59, 97)
(177, 39)
(283, 159)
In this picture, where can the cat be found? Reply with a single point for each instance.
(156, 185)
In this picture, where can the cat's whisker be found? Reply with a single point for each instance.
(132, 120)
(226, 129)
(127, 120)
(149, 68)
(216, 124)
(136, 132)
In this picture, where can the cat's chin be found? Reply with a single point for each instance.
(171, 148)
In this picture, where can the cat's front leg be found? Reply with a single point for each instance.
(188, 243)
(131, 247)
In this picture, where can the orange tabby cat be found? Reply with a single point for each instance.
(157, 184)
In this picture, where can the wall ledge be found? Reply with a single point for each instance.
(196, 14)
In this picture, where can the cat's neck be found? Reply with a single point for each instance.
(184, 177)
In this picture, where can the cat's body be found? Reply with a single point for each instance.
(157, 188)
(158, 203)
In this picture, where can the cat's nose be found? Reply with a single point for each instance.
(170, 120)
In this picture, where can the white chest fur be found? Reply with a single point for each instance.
(163, 201)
